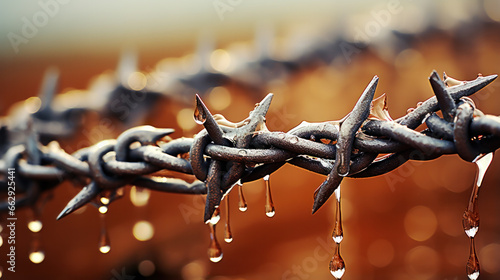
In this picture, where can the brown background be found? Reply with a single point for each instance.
(265, 248)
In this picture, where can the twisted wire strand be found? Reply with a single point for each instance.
(224, 152)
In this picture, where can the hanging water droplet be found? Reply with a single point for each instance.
(337, 265)
(228, 235)
(214, 250)
(35, 225)
(104, 200)
(199, 116)
(270, 212)
(104, 243)
(281, 135)
(472, 267)
(215, 216)
(482, 162)
(242, 153)
(242, 204)
(139, 196)
(37, 256)
(470, 219)
(1, 240)
(103, 209)
(338, 233)
(343, 170)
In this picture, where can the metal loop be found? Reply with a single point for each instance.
(461, 135)
(96, 164)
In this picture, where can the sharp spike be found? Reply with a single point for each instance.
(203, 116)
(350, 126)
(214, 193)
(445, 101)
(88, 193)
(326, 189)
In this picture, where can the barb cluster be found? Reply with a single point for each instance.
(365, 143)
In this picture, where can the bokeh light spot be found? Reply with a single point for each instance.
(143, 230)
(420, 223)
(219, 98)
(146, 268)
(422, 262)
(380, 253)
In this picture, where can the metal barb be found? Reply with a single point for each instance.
(225, 152)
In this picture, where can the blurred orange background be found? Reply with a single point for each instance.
(402, 225)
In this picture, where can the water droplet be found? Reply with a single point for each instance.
(270, 212)
(139, 196)
(34, 222)
(294, 139)
(343, 169)
(470, 219)
(419, 104)
(242, 204)
(410, 110)
(472, 267)
(37, 256)
(242, 153)
(483, 161)
(104, 200)
(338, 233)
(35, 225)
(281, 135)
(228, 236)
(143, 230)
(199, 116)
(104, 243)
(1, 241)
(214, 251)
(215, 217)
(337, 265)
(103, 209)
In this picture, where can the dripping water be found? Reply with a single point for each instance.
(199, 116)
(36, 254)
(228, 235)
(269, 199)
(337, 265)
(214, 250)
(337, 233)
(242, 204)
(215, 216)
(104, 243)
(470, 219)
(35, 226)
(473, 263)
(34, 222)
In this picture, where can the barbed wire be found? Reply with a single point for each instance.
(365, 143)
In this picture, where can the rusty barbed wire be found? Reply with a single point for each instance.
(365, 143)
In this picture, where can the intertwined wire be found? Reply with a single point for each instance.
(365, 143)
